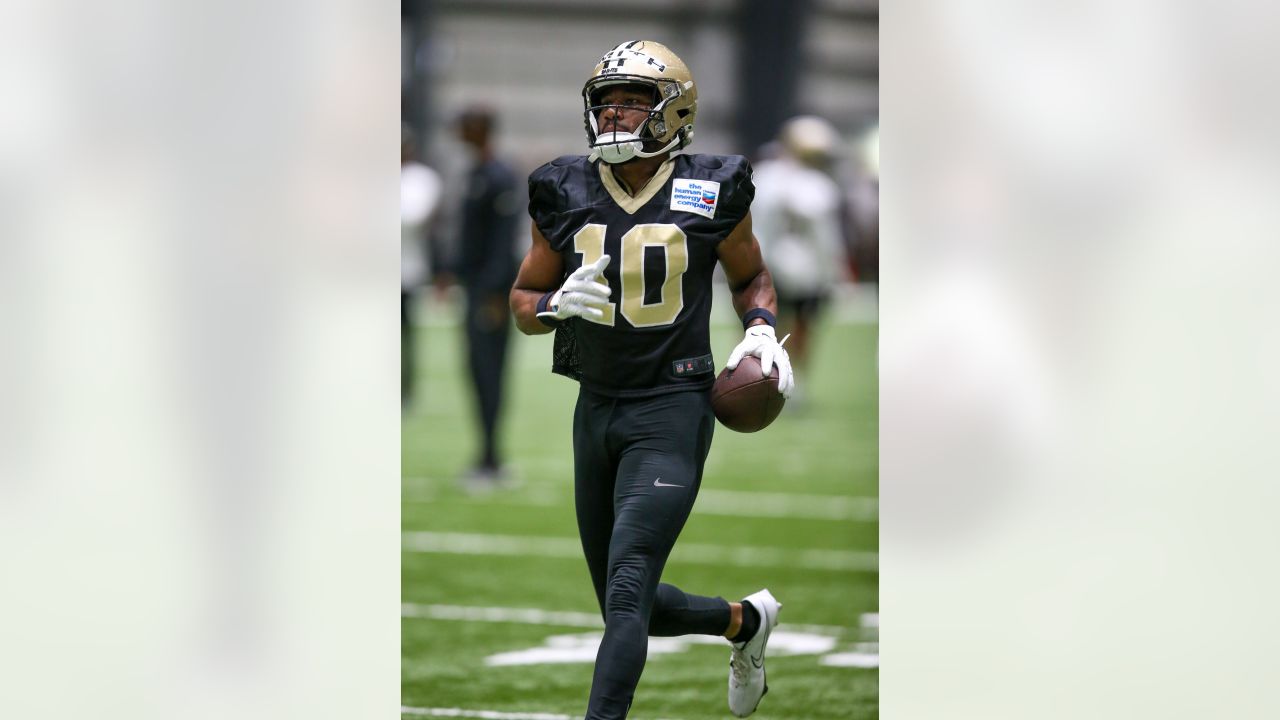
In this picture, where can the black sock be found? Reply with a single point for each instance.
(750, 623)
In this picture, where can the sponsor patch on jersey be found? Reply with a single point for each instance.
(695, 196)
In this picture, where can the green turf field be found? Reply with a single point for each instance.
(808, 483)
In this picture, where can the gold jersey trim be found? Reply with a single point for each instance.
(629, 203)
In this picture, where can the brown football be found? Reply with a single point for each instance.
(744, 399)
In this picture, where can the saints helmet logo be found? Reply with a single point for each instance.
(618, 56)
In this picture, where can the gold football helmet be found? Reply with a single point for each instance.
(669, 125)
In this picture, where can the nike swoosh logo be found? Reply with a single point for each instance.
(659, 483)
(757, 661)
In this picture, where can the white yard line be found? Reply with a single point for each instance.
(731, 503)
(523, 616)
(852, 660)
(536, 616)
(480, 714)
(564, 547)
(787, 505)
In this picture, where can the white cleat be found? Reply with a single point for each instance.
(746, 663)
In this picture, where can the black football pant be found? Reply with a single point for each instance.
(488, 327)
(637, 468)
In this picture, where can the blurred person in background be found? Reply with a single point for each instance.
(799, 218)
(635, 333)
(420, 190)
(486, 267)
(863, 197)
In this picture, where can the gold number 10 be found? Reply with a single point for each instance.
(589, 241)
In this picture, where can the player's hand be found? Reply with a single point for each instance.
(582, 295)
(761, 341)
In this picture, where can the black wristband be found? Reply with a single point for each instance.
(754, 313)
(544, 303)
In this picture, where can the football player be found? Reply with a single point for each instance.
(624, 244)
(800, 224)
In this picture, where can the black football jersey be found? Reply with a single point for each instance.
(662, 247)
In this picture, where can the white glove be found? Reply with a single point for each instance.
(582, 295)
(761, 341)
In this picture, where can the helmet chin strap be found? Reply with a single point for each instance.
(619, 147)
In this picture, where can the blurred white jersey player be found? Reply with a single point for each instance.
(798, 219)
(420, 190)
